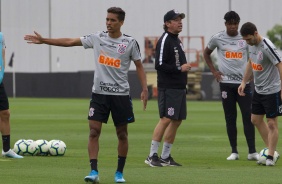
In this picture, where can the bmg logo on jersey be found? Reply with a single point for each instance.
(257, 67)
(233, 55)
(108, 61)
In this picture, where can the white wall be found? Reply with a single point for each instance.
(75, 18)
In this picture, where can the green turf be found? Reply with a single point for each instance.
(201, 146)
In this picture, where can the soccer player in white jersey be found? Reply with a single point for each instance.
(232, 60)
(265, 64)
(113, 52)
(4, 107)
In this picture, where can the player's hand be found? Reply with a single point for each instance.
(185, 67)
(241, 89)
(144, 98)
(35, 39)
(217, 75)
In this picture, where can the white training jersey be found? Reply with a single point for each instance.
(232, 56)
(112, 57)
(264, 57)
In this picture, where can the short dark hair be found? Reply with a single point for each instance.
(232, 16)
(248, 29)
(118, 11)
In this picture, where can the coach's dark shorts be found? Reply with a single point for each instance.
(120, 107)
(267, 104)
(172, 103)
(4, 103)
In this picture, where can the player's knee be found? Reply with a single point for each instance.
(5, 115)
(122, 136)
(94, 133)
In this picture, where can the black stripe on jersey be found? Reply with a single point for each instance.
(126, 35)
(137, 46)
(270, 48)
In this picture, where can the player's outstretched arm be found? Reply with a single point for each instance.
(63, 42)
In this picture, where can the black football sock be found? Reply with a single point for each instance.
(269, 157)
(94, 163)
(6, 142)
(121, 163)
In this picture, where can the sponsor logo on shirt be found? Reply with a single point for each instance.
(233, 77)
(233, 55)
(257, 67)
(109, 87)
(109, 61)
(106, 45)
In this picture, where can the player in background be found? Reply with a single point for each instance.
(4, 107)
(265, 64)
(232, 60)
(113, 53)
(172, 67)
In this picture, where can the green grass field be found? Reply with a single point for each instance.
(201, 146)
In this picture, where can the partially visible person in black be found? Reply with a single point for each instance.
(172, 68)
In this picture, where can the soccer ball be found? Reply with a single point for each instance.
(19, 146)
(57, 148)
(43, 147)
(51, 141)
(263, 155)
(29, 140)
(27, 148)
(31, 148)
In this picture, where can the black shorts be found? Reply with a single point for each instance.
(4, 103)
(267, 104)
(172, 103)
(120, 107)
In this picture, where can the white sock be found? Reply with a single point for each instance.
(154, 147)
(166, 150)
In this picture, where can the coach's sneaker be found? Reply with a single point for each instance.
(269, 162)
(169, 162)
(92, 177)
(253, 156)
(119, 177)
(11, 154)
(153, 161)
(233, 156)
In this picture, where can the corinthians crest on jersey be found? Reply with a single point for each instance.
(121, 48)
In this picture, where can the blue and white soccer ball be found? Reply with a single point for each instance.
(57, 148)
(19, 146)
(263, 155)
(26, 148)
(43, 147)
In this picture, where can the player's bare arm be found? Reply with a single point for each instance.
(207, 55)
(248, 74)
(62, 42)
(142, 77)
(279, 66)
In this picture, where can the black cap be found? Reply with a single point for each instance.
(172, 14)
